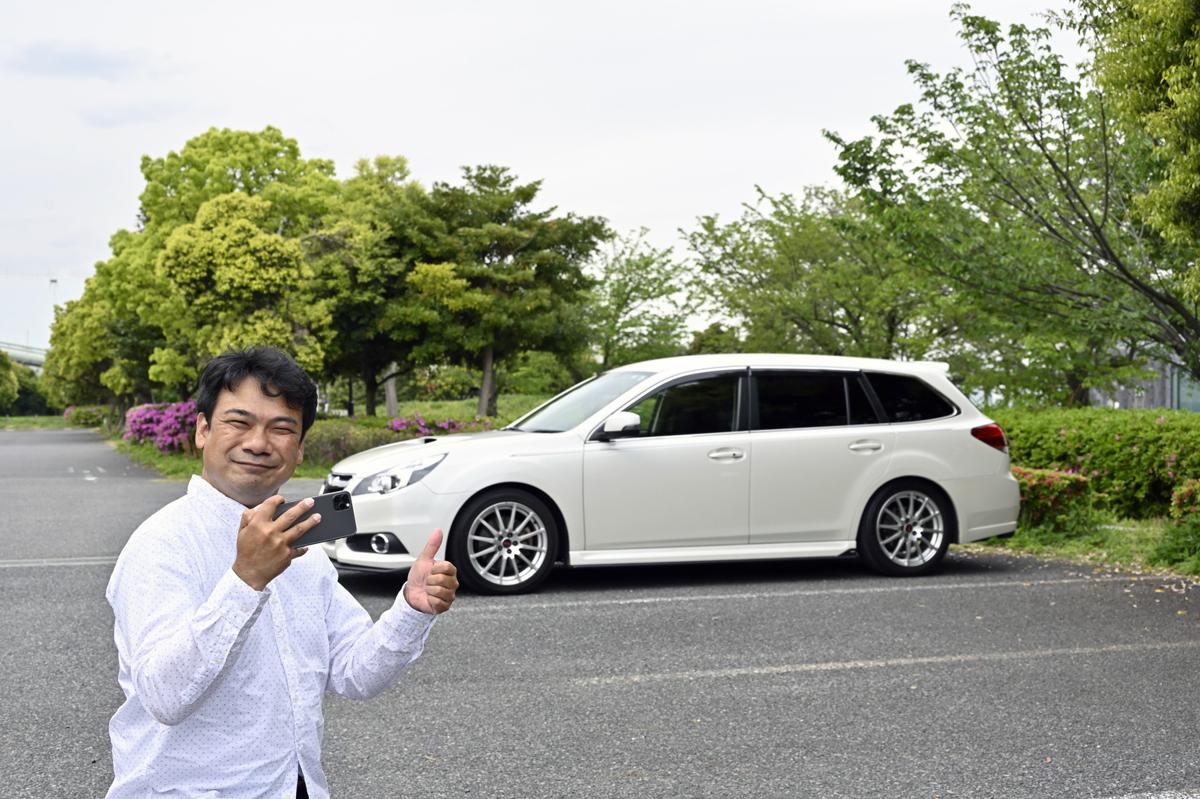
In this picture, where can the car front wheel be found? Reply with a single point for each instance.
(504, 542)
(906, 529)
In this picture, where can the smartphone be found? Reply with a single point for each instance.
(337, 518)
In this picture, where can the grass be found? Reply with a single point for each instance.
(1109, 541)
(56, 422)
(508, 408)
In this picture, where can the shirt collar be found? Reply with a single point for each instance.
(226, 509)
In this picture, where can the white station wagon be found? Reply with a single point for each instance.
(697, 458)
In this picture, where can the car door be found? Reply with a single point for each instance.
(684, 480)
(819, 448)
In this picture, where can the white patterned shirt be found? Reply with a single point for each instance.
(223, 684)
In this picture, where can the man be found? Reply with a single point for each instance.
(226, 636)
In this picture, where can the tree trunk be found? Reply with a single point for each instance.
(371, 382)
(1078, 394)
(350, 396)
(389, 392)
(487, 389)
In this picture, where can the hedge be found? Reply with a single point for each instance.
(1133, 459)
(1049, 497)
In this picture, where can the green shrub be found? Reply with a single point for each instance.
(1185, 499)
(1134, 459)
(330, 440)
(87, 415)
(1180, 545)
(1052, 499)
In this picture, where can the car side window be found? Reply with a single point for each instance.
(908, 399)
(790, 399)
(704, 405)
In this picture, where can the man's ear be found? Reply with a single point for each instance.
(300, 457)
(202, 430)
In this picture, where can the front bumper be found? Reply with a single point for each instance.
(411, 514)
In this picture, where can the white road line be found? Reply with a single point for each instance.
(83, 560)
(1160, 795)
(850, 665)
(509, 606)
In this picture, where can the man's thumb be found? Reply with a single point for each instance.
(431, 546)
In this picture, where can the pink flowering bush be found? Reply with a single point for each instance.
(169, 426)
(1049, 496)
(418, 425)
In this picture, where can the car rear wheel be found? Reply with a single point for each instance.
(906, 529)
(504, 542)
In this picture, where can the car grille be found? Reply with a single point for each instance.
(335, 482)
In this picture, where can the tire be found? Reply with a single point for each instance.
(504, 541)
(906, 529)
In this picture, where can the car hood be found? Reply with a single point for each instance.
(389, 455)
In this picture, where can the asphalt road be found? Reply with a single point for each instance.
(998, 677)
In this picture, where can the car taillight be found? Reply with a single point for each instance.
(992, 435)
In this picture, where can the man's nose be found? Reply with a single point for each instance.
(256, 441)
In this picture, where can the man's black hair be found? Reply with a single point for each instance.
(277, 374)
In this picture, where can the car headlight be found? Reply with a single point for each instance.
(398, 476)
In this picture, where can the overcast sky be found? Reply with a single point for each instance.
(646, 113)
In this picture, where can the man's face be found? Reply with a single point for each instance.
(251, 445)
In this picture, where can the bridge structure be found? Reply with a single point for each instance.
(34, 357)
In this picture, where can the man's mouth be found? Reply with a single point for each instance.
(258, 467)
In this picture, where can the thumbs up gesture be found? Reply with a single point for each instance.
(431, 584)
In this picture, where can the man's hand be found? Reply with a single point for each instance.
(431, 584)
(264, 546)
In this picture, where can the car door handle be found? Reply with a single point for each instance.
(726, 454)
(866, 446)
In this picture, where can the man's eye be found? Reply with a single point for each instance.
(235, 422)
(286, 431)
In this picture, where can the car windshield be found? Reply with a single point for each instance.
(580, 402)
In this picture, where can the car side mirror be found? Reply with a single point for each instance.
(624, 424)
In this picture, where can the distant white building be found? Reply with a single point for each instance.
(34, 357)
(1173, 388)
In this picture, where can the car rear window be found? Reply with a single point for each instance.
(789, 399)
(909, 399)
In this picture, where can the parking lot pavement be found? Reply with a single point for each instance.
(999, 677)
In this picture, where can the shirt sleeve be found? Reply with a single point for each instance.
(177, 642)
(366, 658)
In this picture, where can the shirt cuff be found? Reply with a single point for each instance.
(408, 611)
(233, 593)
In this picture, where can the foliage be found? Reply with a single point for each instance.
(330, 440)
(1185, 499)
(170, 427)
(232, 283)
(443, 382)
(1133, 459)
(10, 384)
(1148, 60)
(86, 415)
(31, 399)
(536, 372)
(817, 274)
(501, 278)
(369, 242)
(1050, 497)
(1010, 178)
(714, 340)
(132, 316)
(418, 425)
(1179, 547)
(637, 309)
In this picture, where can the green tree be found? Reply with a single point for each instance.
(1011, 179)
(816, 274)
(1148, 61)
(10, 386)
(637, 309)
(103, 344)
(501, 278)
(233, 283)
(360, 258)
